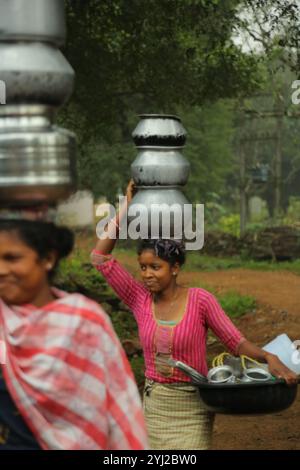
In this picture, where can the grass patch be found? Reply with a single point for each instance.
(76, 274)
(198, 262)
(138, 368)
(235, 304)
(292, 266)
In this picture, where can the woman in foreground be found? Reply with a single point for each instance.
(65, 382)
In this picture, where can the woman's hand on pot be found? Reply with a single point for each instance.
(130, 191)
(280, 371)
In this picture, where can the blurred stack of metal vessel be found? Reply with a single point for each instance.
(37, 158)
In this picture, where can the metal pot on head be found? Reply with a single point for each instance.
(159, 172)
(33, 20)
(161, 209)
(160, 166)
(159, 130)
(37, 159)
(35, 73)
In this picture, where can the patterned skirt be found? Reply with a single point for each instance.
(175, 417)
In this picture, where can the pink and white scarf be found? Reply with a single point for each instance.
(69, 377)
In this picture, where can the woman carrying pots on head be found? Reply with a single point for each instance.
(65, 382)
(173, 323)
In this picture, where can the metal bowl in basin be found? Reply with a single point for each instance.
(257, 374)
(220, 374)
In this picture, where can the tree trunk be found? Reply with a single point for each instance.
(278, 164)
(243, 179)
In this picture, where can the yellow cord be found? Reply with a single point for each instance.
(244, 358)
(219, 360)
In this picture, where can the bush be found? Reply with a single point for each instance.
(293, 213)
(236, 305)
(230, 224)
(76, 274)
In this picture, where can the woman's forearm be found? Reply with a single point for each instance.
(250, 349)
(107, 244)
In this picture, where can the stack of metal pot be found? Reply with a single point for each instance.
(160, 171)
(37, 159)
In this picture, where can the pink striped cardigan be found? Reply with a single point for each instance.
(186, 341)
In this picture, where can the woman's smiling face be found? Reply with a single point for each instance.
(157, 274)
(22, 273)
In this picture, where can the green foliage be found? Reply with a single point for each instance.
(76, 274)
(293, 212)
(152, 56)
(257, 226)
(213, 210)
(105, 170)
(209, 150)
(165, 52)
(235, 304)
(178, 56)
(273, 25)
(138, 367)
(124, 324)
(230, 224)
(197, 261)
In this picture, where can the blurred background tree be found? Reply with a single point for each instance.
(149, 56)
(196, 58)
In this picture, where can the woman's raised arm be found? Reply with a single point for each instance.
(107, 244)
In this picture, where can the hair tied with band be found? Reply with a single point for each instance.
(169, 250)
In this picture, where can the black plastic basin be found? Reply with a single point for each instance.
(248, 398)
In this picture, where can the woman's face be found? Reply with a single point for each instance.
(22, 273)
(156, 273)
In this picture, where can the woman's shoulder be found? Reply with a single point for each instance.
(202, 295)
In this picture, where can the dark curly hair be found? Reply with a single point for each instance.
(42, 237)
(172, 251)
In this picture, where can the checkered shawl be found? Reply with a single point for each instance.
(69, 377)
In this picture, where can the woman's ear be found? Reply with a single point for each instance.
(50, 260)
(175, 269)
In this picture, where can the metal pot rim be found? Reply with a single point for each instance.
(159, 147)
(160, 116)
(14, 110)
(159, 187)
(216, 369)
(265, 375)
